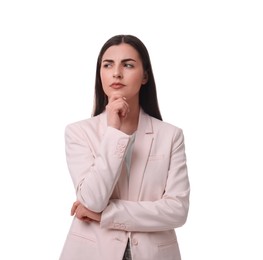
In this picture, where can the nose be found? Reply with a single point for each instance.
(117, 73)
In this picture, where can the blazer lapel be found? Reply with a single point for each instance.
(140, 154)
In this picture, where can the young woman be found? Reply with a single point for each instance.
(127, 165)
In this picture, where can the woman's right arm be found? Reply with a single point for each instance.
(94, 176)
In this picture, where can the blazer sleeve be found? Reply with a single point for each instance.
(94, 176)
(167, 213)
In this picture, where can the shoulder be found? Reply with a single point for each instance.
(166, 132)
(165, 127)
(83, 126)
(81, 123)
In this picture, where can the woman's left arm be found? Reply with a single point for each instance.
(168, 212)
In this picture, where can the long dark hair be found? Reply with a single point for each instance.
(147, 96)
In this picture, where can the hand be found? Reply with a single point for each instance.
(83, 213)
(117, 109)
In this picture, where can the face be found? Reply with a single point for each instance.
(122, 72)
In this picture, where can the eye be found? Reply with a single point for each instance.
(107, 65)
(128, 65)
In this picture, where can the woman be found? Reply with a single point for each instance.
(128, 166)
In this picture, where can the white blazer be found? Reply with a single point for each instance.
(145, 207)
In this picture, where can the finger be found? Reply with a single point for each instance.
(74, 207)
(86, 219)
(119, 106)
(124, 110)
(81, 212)
(115, 97)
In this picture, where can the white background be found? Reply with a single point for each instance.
(208, 63)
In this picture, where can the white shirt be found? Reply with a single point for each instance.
(129, 154)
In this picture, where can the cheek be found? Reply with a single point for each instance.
(102, 76)
(104, 83)
(136, 77)
(104, 79)
(137, 81)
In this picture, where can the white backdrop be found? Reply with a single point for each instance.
(206, 55)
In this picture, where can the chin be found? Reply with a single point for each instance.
(117, 92)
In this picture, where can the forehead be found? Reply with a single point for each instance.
(121, 51)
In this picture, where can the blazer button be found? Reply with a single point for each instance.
(122, 226)
(116, 225)
(134, 241)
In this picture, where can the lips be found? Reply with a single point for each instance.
(117, 85)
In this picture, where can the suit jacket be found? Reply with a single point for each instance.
(145, 207)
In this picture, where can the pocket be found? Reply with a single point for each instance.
(89, 238)
(79, 246)
(82, 231)
(169, 250)
(156, 157)
(166, 244)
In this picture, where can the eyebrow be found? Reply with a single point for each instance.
(124, 60)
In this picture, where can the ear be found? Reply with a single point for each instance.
(145, 78)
